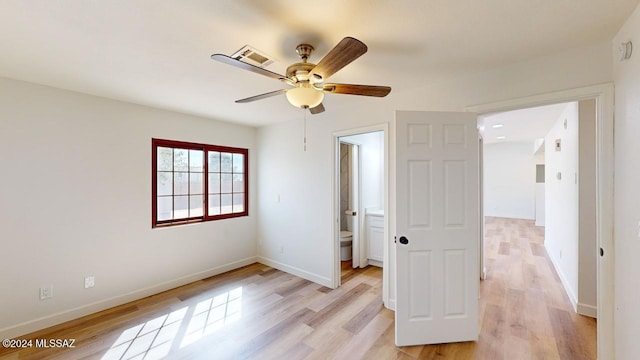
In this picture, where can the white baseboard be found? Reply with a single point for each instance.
(563, 279)
(391, 305)
(588, 310)
(70, 314)
(324, 281)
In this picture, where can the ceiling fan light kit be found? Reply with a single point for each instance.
(304, 97)
(308, 80)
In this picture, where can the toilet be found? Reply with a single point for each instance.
(346, 239)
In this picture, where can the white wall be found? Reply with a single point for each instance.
(509, 180)
(561, 203)
(587, 243)
(75, 201)
(303, 219)
(627, 196)
(372, 177)
(570, 204)
(294, 205)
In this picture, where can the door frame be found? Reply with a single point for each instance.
(604, 95)
(483, 270)
(335, 199)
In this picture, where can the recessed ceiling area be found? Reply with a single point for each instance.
(524, 125)
(158, 53)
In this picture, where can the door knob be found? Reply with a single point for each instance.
(403, 240)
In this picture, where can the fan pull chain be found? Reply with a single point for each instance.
(305, 130)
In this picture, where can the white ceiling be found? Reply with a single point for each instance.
(525, 125)
(157, 52)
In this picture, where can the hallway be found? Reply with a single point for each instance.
(524, 310)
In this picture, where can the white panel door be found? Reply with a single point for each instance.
(358, 248)
(437, 224)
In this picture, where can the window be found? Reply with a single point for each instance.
(197, 182)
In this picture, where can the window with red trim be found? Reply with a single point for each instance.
(197, 182)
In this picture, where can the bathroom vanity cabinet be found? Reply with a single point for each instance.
(375, 237)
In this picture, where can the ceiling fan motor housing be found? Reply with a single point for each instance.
(304, 50)
(300, 71)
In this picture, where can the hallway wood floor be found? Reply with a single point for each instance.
(257, 312)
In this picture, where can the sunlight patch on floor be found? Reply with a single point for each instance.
(150, 340)
(213, 314)
(156, 338)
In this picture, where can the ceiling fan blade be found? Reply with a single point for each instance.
(317, 109)
(351, 89)
(347, 50)
(262, 96)
(242, 65)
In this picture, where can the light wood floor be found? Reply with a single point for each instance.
(257, 312)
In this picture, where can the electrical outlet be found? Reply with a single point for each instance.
(639, 229)
(46, 292)
(281, 249)
(89, 282)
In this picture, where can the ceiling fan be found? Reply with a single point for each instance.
(308, 80)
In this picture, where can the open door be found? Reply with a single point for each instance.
(354, 211)
(437, 225)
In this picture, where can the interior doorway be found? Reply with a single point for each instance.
(539, 167)
(360, 176)
(604, 164)
(350, 209)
